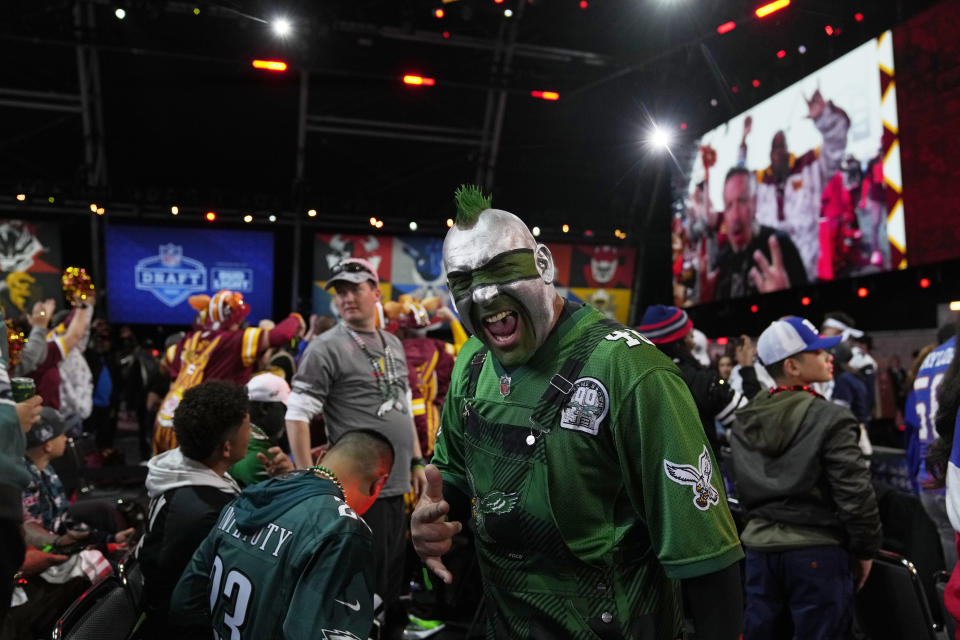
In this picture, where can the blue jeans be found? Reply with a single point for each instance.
(811, 587)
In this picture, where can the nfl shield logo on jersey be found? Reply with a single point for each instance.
(588, 406)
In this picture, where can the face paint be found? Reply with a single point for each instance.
(501, 282)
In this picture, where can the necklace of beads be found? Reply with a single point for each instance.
(387, 373)
(323, 472)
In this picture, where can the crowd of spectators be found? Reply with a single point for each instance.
(249, 432)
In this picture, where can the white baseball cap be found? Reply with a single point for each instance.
(268, 387)
(790, 336)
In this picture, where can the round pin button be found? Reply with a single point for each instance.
(531, 440)
(606, 616)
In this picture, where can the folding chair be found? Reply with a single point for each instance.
(940, 579)
(892, 604)
(104, 612)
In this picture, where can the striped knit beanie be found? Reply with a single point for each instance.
(663, 324)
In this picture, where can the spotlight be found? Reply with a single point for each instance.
(196, 11)
(312, 213)
(101, 211)
(449, 223)
(21, 197)
(955, 305)
(413, 225)
(174, 210)
(93, 207)
(272, 218)
(508, 13)
(659, 137)
(120, 13)
(713, 102)
(248, 218)
(781, 54)
(536, 232)
(565, 228)
(756, 83)
(805, 301)
(858, 17)
(829, 30)
(802, 49)
(211, 216)
(722, 341)
(51, 199)
(754, 308)
(379, 224)
(373, 221)
(584, 4)
(862, 292)
(282, 27)
(924, 283)
(438, 13)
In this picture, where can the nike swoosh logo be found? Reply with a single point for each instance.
(355, 606)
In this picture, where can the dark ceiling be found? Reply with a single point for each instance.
(188, 121)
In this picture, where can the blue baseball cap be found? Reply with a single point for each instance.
(788, 337)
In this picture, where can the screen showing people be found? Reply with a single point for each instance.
(797, 189)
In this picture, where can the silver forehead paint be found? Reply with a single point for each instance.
(495, 232)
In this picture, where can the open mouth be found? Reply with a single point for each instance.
(503, 327)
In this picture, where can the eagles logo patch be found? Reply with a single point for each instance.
(588, 406)
(337, 634)
(704, 495)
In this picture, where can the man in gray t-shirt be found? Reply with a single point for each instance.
(356, 375)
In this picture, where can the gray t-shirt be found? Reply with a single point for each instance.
(336, 373)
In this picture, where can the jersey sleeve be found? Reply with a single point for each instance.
(672, 478)
(335, 590)
(250, 345)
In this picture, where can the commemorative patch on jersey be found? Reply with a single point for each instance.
(588, 405)
(701, 479)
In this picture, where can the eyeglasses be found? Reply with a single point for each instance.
(349, 267)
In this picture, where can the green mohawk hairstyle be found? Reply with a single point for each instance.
(470, 201)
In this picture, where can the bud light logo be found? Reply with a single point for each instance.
(233, 278)
(171, 276)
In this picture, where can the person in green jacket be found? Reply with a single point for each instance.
(292, 557)
(812, 521)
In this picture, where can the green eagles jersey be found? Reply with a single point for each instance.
(588, 514)
(306, 571)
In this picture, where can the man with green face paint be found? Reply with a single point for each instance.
(578, 451)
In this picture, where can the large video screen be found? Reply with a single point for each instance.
(152, 271)
(802, 188)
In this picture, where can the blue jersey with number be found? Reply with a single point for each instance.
(921, 410)
(953, 480)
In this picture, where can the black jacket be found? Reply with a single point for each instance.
(715, 399)
(797, 462)
(175, 530)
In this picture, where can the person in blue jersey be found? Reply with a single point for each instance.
(943, 464)
(920, 417)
